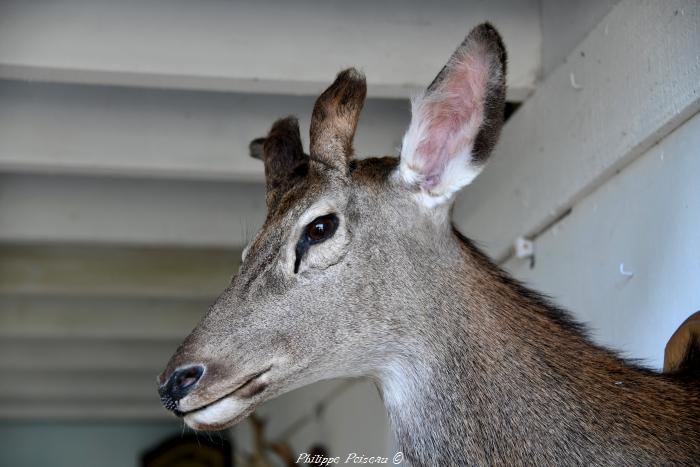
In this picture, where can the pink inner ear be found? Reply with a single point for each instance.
(452, 115)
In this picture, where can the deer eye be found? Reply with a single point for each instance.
(319, 230)
(322, 228)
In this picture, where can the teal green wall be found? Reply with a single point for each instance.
(80, 444)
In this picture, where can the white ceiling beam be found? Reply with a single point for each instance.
(630, 82)
(81, 410)
(98, 317)
(64, 386)
(149, 133)
(273, 47)
(169, 273)
(565, 24)
(38, 208)
(100, 354)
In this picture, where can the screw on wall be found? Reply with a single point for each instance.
(625, 272)
(525, 248)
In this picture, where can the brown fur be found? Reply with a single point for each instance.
(283, 156)
(334, 120)
(682, 353)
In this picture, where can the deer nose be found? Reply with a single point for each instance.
(180, 383)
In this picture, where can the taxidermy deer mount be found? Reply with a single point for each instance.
(358, 271)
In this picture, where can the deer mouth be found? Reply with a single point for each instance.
(229, 408)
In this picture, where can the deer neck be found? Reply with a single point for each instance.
(494, 374)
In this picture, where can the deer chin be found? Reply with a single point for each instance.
(221, 414)
(230, 408)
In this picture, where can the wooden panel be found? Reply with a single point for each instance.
(81, 410)
(646, 221)
(88, 210)
(248, 46)
(66, 386)
(104, 271)
(54, 354)
(635, 79)
(149, 133)
(98, 317)
(565, 24)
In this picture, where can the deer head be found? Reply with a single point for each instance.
(335, 282)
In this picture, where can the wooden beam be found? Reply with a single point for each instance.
(565, 24)
(52, 317)
(67, 386)
(81, 410)
(116, 272)
(131, 212)
(149, 133)
(631, 81)
(54, 354)
(253, 47)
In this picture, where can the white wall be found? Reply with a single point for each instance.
(646, 218)
(565, 24)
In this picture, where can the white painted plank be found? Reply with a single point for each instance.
(82, 410)
(150, 133)
(638, 76)
(565, 25)
(41, 317)
(646, 218)
(169, 273)
(66, 386)
(36, 208)
(277, 47)
(85, 354)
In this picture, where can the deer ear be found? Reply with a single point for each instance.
(283, 155)
(682, 353)
(456, 122)
(334, 120)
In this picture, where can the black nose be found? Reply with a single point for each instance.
(180, 383)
